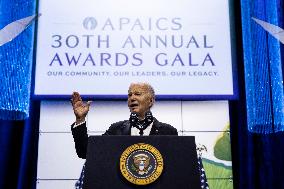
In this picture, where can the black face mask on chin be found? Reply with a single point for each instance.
(141, 124)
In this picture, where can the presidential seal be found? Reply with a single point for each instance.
(141, 164)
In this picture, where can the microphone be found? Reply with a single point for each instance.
(148, 118)
(133, 118)
(141, 124)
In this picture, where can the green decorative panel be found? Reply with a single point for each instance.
(220, 183)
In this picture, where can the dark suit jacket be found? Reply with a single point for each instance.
(119, 128)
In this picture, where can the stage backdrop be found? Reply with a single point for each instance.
(59, 167)
(98, 47)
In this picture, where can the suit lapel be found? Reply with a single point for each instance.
(126, 128)
(155, 128)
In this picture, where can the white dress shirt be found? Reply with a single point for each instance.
(146, 132)
(134, 130)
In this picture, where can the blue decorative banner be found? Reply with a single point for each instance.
(16, 58)
(263, 69)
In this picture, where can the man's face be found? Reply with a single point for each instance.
(139, 99)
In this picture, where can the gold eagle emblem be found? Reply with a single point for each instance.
(141, 164)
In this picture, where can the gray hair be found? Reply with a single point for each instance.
(150, 89)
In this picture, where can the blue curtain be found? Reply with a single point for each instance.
(18, 139)
(263, 66)
(257, 117)
(18, 151)
(16, 58)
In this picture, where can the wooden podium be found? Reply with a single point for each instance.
(180, 167)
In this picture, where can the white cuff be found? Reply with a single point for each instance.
(76, 125)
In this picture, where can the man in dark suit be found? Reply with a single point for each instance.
(141, 97)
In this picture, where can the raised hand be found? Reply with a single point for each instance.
(80, 108)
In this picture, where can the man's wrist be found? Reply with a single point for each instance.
(79, 121)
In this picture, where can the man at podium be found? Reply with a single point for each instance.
(141, 97)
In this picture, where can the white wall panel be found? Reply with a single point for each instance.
(103, 113)
(56, 184)
(57, 158)
(168, 112)
(56, 116)
(205, 115)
